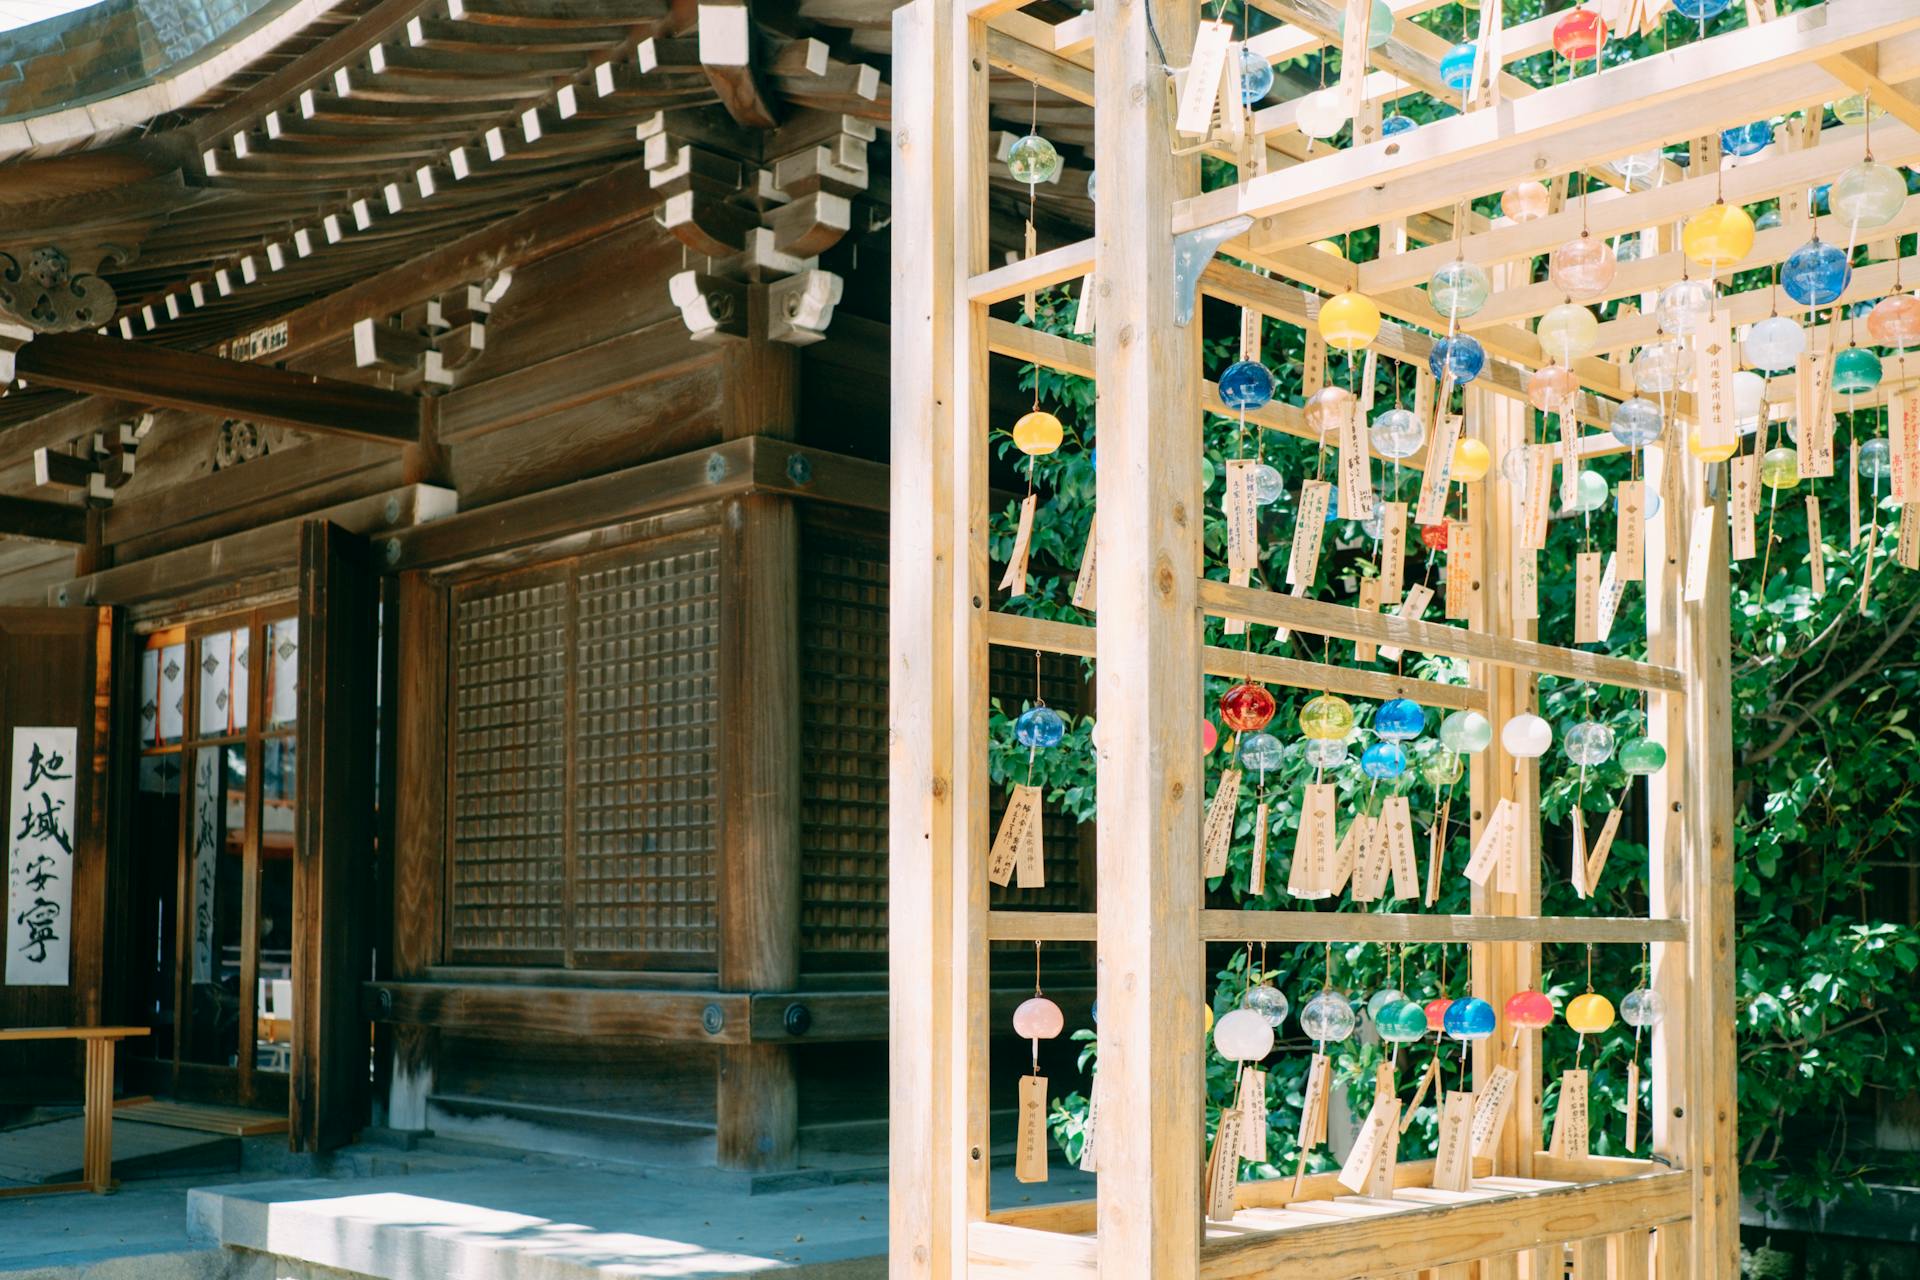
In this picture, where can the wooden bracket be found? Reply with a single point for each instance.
(712, 306)
(800, 307)
(449, 336)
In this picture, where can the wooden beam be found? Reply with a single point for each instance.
(42, 521)
(1353, 926)
(1732, 78)
(1273, 609)
(1017, 631)
(151, 374)
(1151, 773)
(1859, 71)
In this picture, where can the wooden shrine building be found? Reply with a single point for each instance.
(442, 488)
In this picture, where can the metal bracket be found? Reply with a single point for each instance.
(1192, 251)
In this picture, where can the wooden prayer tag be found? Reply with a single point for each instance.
(1377, 1132)
(1233, 112)
(1380, 1178)
(1699, 555)
(1597, 860)
(1433, 481)
(1437, 851)
(1368, 650)
(1816, 548)
(1536, 506)
(1356, 479)
(1809, 407)
(1586, 598)
(1309, 526)
(1903, 447)
(1526, 585)
(1257, 878)
(1413, 608)
(1017, 844)
(1014, 580)
(1578, 873)
(1486, 852)
(1086, 584)
(1853, 494)
(1253, 1114)
(1313, 1114)
(1243, 530)
(1250, 321)
(1463, 568)
(1713, 382)
(1570, 1136)
(1083, 312)
(1633, 1104)
(1611, 589)
(1396, 833)
(1089, 1157)
(1428, 1079)
(1313, 368)
(1313, 844)
(1516, 845)
(1393, 551)
(1030, 1148)
(1743, 499)
(1199, 94)
(1217, 835)
(1490, 1109)
(1630, 530)
(1569, 449)
(1423, 395)
(1453, 1157)
(1368, 852)
(1033, 247)
(1223, 1165)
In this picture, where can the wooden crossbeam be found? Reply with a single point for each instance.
(1308, 925)
(1859, 71)
(42, 521)
(1679, 94)
(152, 374)
(1272, 609)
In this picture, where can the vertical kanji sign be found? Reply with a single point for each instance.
(40, 826)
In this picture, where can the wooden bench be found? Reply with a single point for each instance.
(96, 1167)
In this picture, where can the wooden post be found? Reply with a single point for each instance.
(333, 881)
(927, 1163)
(1151, 774)
(421, 637)
(759, 684)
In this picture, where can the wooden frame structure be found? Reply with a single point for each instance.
(1674, 1216)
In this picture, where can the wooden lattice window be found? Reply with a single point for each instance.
(583, 780)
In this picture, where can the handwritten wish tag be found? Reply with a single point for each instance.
(1713, 382)
(1611, 589)
(1413, 607)
(1083, 306)
(1257, 877)
(1030, 1146)
(1453, 1157)
(1233, 112)
(1393, 551)
(1853, 494)
(1633, 1104)
(1578, 873)
(1250, 322)
(1536, 503)
(1908, 552)
(1086, 585)
(1569, 448)
(1428, 1078)
(1816, 547)
(1223, 1166)
(1810, 384)
(1516, 847)
(1463, 567)
(1369, 602)
(1586, 598)
(1014, 580)
(1089, 1149)
(1396, 827)
(1313, 844)
(1526, 584)
(1243, 531)
(1253, 1114)
(1487, 849)
(1028, 300)
(1437, 851)
(1597, 860)
(1570, 1133)
(1432, 507)
(1371, 1141)
(1369, 378)
(1216, 836)
(1198, 95)
(1017, 844)
(1491, 1108)
(1903, 447)
(1630, 529)
(1313, 364)
(1699, 555)
(1743, 498)
(1369, 853)
(1356, 477)
(1423, 395)
(1313, 1114)
(1309, 526)
(1380, 1178)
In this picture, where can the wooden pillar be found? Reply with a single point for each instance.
(421, 638)
(928, 1162)
(1151, 773)
(1500, 969)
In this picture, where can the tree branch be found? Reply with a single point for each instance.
(1865, 668)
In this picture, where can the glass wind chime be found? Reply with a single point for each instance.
(1018, 853)
(1037, 1019)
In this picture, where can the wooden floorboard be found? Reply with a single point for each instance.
(234, 1122)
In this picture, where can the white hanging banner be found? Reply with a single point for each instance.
(40, 829)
